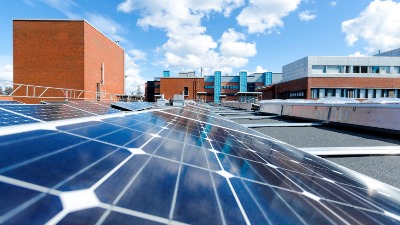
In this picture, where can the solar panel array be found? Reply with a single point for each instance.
(9, 102)
(177, 166)
(14, 114)
(132, 106)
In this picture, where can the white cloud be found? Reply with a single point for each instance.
(137, 54)
(220, 6)
(188, 46)
(231, 45)
(107, 26)
(333, 4)
(6, 68)
(357, 54)
(132, 73)
(259, 69)
(262, 15)
(64, 6)
(378, 25)
(307, 15)
(6, 73)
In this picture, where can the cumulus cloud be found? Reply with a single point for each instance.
(6, 73)
(262, 16)
(333, 4)
(231, 45)
(378, 25)
(133, 78)
(307, 15)
(357, 54)
(188, 46)
(259, 69)
(6, 68)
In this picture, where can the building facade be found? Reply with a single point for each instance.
(214, 86)
(352, 77)
(66, 54)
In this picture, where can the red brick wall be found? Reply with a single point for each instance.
(64, 54)
(48, 53)
(171, 86)
(352, 82)
(294, 85)
(99, 49)
(336, 82)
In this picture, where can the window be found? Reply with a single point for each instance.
(230, 87)
(333, 69)
(318, 69)
(314, 92)
(351, 93)
(347, 69)
(208, 87)
(385, 69)
(364, 69)
(396, 69)
(185, 91)
(375, 69)
(391, 93)
(356, 69)
(330, 93)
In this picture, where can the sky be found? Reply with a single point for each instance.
(224, 35)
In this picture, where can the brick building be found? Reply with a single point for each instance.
(66, 54)
(213, 86)
(352, 77)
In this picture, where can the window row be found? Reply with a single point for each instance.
(354, 93)
(317, 69)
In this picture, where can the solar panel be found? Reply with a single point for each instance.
(176, 166)
(9, 102)
(43, 112)
(8, 118)
(94, 107)
(132, 106)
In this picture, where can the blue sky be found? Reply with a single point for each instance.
(226, 35)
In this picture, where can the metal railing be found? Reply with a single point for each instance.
(43, 92)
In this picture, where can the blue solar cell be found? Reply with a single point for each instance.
(139, 141)
(195, 156)
(170, 149)
(121, 137)
(123, 219)
(32, 145)
(38, 212)
(197, 193)
(9, 102)
(87, 216)
(152, 190)
(95, 172)
(54, 169)
(359, 216)
(97, 129)
(9, 118)
(230, 208)
(115, 184)
(47, 112)
(152, 146)
(13, 196)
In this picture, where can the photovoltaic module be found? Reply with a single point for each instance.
(172, 166)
